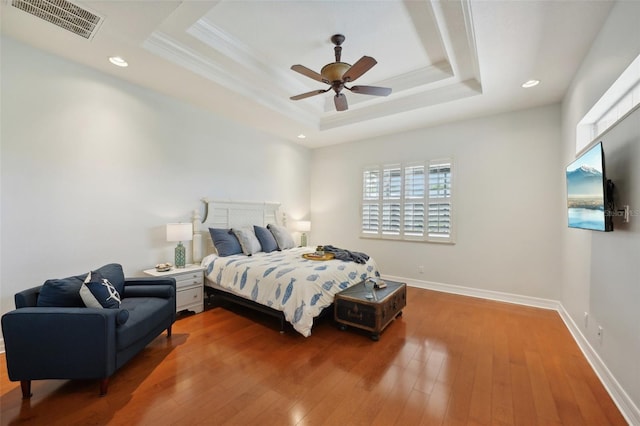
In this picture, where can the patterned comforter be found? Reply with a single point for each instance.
(285, 281)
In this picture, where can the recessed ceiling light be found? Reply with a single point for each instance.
(301, 136)
(530, 83)
(118, 61)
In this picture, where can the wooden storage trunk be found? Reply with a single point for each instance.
(352, 308)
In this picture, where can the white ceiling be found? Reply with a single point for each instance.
(445, 61)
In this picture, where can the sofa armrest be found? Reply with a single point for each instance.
(60, 343)
(162, 291)
(28, 297)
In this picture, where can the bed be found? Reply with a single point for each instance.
(280, 283)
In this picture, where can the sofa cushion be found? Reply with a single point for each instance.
(64, 292)
(145, 313)
(98, 292)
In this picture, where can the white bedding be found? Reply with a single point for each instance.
(285, 281)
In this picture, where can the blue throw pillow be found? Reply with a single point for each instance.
(114, 273)
(98, 292)
(267, 241)
(225, 242)
(63, 292)
(122, 317)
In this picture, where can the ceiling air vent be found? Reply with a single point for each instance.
(63, 14)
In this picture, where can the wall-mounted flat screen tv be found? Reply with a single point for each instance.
(587, 192)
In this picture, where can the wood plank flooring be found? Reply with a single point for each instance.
(449, 360)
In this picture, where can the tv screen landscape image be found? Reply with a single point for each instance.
(586, 195)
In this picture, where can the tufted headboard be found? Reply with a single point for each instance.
(230, 214)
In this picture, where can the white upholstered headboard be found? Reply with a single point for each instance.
(230, 214)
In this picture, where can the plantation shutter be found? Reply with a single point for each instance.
(391, 193)
(414, 200)
(408, 201)
(439, 201)
(371, 201)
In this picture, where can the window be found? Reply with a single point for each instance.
(618, 101)
(408, 201)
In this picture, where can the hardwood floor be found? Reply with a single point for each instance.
(449, 359)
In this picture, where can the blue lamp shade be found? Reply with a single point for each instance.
(180, 232)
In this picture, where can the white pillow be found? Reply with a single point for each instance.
(248, 240)
(282, 235)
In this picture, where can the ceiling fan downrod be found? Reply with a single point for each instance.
(337, 39)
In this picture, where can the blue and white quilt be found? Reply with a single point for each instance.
(287, 282)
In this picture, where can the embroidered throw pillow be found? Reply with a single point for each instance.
(98, 292)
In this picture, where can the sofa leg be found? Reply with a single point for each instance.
(169, 331)
(104, 384)
(25, 385)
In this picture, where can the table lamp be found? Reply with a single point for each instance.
(303, 226)
(180, 232)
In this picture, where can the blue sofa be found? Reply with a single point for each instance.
(52, 335)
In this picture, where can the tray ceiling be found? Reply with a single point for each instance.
(444, 60)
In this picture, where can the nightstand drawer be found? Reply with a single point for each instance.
(188, 297)
(186, 280)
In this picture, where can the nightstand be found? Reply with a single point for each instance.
(189, 286)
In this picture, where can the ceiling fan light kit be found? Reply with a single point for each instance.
(337, 73)
(334, 71)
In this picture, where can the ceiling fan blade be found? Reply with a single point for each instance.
(363, 65)
(341, 102)
(309, 73)
(371, 90)
(308, 94)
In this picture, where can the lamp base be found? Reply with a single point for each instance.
(303, 239)
(181, 257)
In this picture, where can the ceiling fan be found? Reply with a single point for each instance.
(337, 74)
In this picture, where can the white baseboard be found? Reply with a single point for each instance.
(627, 407)
(1, 346)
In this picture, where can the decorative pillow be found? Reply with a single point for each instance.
(248, 240)
(282, 236)
(113, 272)
(122, 317)
(225, 241)
(98, 292)
(63, 292)
(266, 239)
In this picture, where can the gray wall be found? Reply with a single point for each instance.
(93, 168)
(506, 216)
(601, 274)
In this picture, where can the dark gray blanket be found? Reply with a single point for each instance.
(347, 255)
